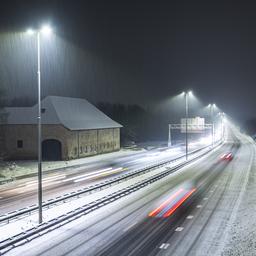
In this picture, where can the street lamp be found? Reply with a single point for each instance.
(46, 30)
(187, 94)
(212, 107)
(222, 116)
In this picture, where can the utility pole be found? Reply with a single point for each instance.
(44, 30)
(186, 109)
(169, 136)
(40, 197)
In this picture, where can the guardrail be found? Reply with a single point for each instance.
(21, 238)
(62, 199)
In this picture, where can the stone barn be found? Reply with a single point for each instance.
(71, 128)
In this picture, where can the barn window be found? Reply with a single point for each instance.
(19, 143)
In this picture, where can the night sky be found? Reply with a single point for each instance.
(134, 51)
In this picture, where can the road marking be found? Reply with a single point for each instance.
(189, 217)
(199, 206)
(164, 246)
(206, 198)
(129, 227)
(178, 229)
(211, 191)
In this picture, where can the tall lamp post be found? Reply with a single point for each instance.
(46, 30)
(212, 106)
(222, 126)
(186, 94)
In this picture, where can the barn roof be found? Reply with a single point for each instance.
(72, 113)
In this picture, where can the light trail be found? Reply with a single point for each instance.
(180, 202)
(165, 203)
(87, 174)
(105, 173)
(168, 207)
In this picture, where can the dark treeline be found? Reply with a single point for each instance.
(19, 102)
(139, 125)
(2, 105)
(250, 127)
(2, 99)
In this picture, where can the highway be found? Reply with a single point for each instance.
(187, 213)
(23, 192)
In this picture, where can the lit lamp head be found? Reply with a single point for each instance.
(46, 30)
(30, 31)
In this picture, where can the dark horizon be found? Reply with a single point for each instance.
(133, 52)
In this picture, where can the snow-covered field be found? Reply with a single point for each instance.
(233, 225)
(241, 237)
(31, 221)
(14, 169)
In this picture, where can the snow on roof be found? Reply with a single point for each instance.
(73, 113)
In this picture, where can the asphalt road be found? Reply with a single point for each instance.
(146, 236)
(186, 213)
(23, 193)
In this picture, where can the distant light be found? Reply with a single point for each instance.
(30, 31)
(209, 105)
(47, 30)
(190, 93)
(183, 93)
(214, 105)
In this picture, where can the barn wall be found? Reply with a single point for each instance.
(92, 142)
(28, 135)
(74, 144)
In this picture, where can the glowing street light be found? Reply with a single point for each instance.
(30, 31)
(222, 116)
(45, 30)
(187, 94)
(212, 107)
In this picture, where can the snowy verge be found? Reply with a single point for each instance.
(31, 221)
(17, 169)
(240, 236)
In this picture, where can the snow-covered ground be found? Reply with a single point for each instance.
(14, 169)
(232, 229)
(30, 221)
(241, 235)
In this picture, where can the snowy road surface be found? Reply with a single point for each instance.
(216, 216)
(23, 193)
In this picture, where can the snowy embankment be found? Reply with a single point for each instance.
(241, 234)
(30, 221)
(16, 169)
